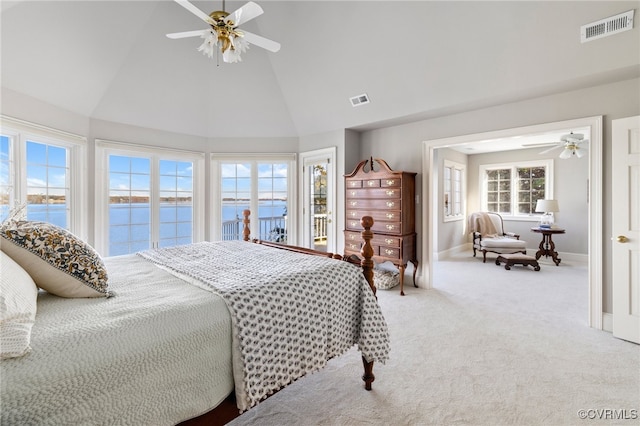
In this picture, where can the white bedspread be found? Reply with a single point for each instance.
(291, 312)
(155, 354)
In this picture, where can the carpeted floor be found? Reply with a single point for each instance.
(487, 346)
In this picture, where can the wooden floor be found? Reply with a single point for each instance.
(219, 416)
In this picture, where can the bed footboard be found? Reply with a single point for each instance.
(366, 263)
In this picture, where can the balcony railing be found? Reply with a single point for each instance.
(273, 228)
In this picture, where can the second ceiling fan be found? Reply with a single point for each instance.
(572, 144)
(224, 33)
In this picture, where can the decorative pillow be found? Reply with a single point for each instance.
(58, 261)
(18, 296)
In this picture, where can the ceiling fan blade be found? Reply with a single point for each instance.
(265, 43)
(551, 149)
(185, 34)
(539, 145)
(191, 8)
(245, 13)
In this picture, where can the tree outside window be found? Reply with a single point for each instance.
(514, 189)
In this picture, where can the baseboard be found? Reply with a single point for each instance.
(607, 322)
(569, 257)
(445, 254)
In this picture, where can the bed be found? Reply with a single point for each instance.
(185, 327)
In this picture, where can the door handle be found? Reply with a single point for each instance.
(622, 239)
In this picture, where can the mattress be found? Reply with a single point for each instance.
(155, 354)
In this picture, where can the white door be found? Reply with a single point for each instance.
(318, 185)
(626, 228)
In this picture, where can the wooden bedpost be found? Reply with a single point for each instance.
(246, 231)
(367, 269)
(367, 251)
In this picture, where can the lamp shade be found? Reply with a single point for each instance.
(547, 206)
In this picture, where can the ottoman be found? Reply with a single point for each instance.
(517, 259)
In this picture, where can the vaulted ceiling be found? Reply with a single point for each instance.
(111, 60)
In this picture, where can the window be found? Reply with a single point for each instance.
(262, 185)
(41, 167)
(454, 190)
(514, 189)
(148, 198)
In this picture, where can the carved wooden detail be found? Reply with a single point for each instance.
(388, 197)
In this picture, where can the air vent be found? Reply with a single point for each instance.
(360, 100)
(606, 27)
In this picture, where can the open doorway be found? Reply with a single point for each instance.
(594, 191)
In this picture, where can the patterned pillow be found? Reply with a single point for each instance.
(18, 298)
(58, 261)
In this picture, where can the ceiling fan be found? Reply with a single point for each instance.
(224, 33)
(571, 144)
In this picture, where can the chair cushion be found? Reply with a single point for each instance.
(502, 242)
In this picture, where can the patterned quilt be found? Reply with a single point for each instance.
(291, 312)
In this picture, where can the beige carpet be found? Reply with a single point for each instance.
(485, 347)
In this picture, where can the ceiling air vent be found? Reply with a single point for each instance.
(360, 100)
(606, 27)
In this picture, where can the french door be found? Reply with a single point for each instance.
(318, 227)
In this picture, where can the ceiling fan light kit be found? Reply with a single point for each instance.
(224, 35)
(571, 144)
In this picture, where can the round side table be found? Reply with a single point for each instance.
(547, 247)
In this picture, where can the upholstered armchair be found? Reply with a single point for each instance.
(489, 235)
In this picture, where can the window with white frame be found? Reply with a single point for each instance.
(263, 184)
(453, 190)
(41, 167)
(512, 189)
(147, 198)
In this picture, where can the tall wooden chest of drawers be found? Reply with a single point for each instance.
(387, 196)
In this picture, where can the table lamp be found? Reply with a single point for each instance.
(547, 207)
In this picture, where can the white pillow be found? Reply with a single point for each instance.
(58, 261)
(18, 297)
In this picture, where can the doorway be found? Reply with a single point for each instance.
(429, 188)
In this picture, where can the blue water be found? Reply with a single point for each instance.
(129, 227)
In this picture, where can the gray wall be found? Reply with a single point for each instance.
(570, 189)
(401, 145)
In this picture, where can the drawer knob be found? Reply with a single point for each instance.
(354, 203)
(391, 203)
(353, 213)
(371, 183)
(390, 215)
(353, 193)
(391, 227)
(390, 182)
(390, 192)
(387, 240)
(388, 251)
(352, 237)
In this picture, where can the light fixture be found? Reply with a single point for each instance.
(223, 35)
(572, 146)
(547, 208)
(572, 149)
